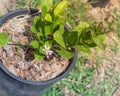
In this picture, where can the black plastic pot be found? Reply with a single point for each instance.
(11, 85)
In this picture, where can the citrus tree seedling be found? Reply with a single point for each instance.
(52, 37)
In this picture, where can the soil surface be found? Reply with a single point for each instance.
(18, 58)
(5, 5)
(108, 59)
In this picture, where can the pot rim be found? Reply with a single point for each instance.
(7, 72)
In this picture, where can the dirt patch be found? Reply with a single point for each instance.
(13, 55)
(5, 5)
(99, 3)
(105, 14)
(107, 60)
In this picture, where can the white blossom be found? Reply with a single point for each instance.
(47, 51)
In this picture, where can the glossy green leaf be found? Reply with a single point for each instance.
(83, 48)
(44, 11)
(86, 38)
(39, 34)
(61, 29)
(65, 53)
(61, 16)
(81, 27)
(99, 40)
(37, 23)
(33, 29)
(59, 38)
(101, 37)
(40, 26)
(36, 19)
(60, 21)
(48, 18)
(60, 7)
(39, 56)
(47, 30)
(3, 39)
(42, 30)
(34, 44)
(72, 38)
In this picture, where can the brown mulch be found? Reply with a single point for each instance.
(13, 55)
(5, 5)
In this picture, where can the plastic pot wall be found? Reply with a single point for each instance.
(11, 85)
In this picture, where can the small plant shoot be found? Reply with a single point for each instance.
(52, 38)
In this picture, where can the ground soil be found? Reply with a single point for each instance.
(5, 5)
(108, 59)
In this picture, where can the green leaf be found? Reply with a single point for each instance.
(3, 39)
(39, 34)
(38, 23)
(39, 56)
(99, 40)
(47, 3)
(60, 21)
(61, 16)
(60, 7)
(65, 53)
(36, 19)
(79, 28)
(86, 37)
(83, 48)
(40, 27)
(72, 38)
(44, 10)
(47, 30)
(34, 44)
(61, 28)
(42, 30)
(48, 18)
(33, 29)
(101, 37)
(59, 38)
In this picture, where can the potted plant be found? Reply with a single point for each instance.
(40, 51)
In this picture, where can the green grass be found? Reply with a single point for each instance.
(32, 3)
(23, 3)
(117, 12)
(77, 12)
